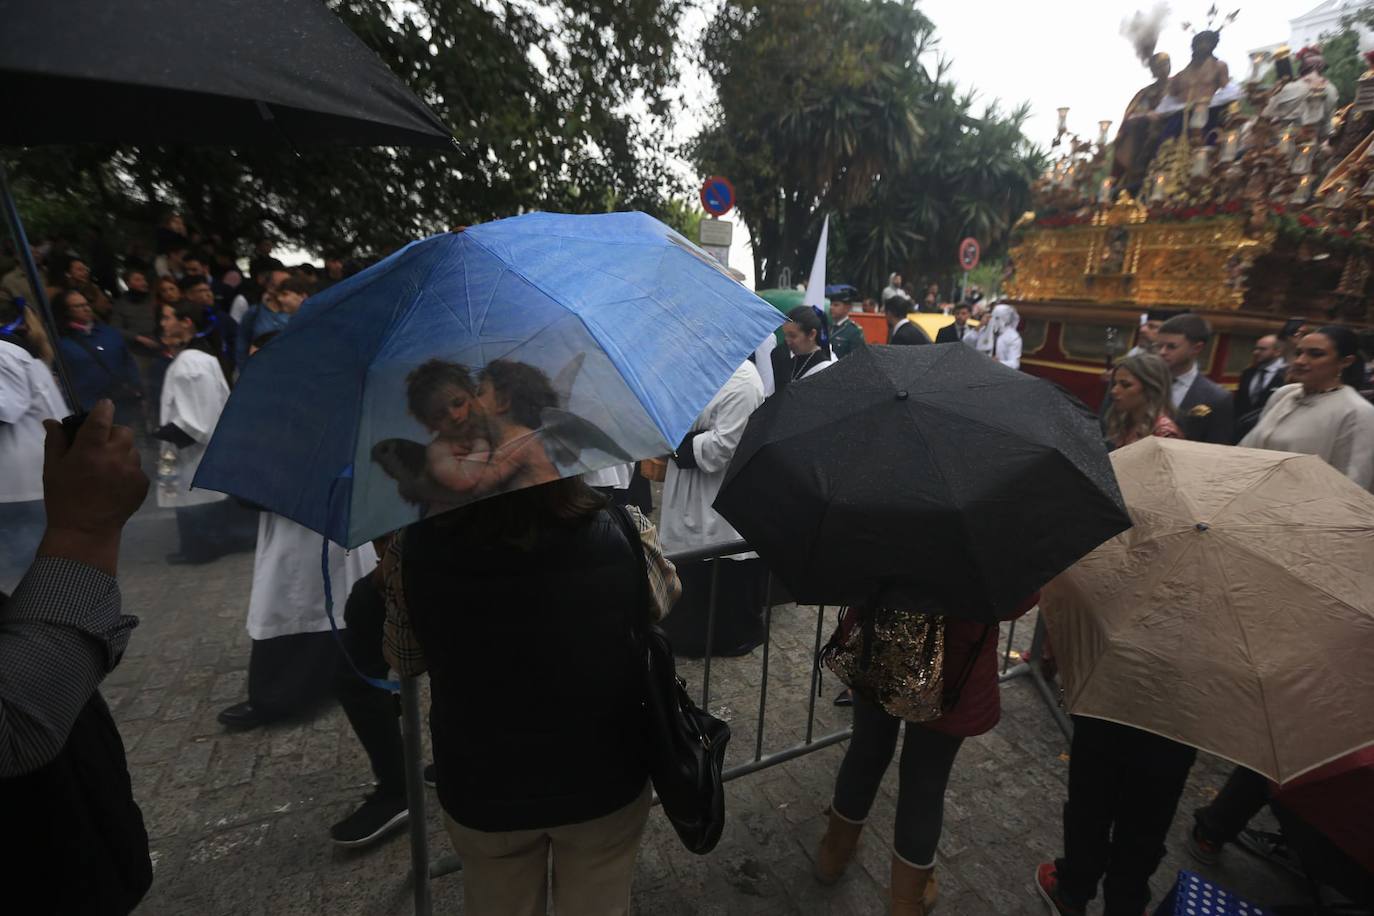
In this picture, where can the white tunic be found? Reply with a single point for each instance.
(288, 585)
(1337, 426)
(28, 396)
(615, 477)
(830, 360)
(193, 396)
(688, 521)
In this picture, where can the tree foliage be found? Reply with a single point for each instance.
(553, 106)
(829, 106)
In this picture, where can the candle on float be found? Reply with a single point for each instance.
(1063, 119)
(1199, 165)
(1231, 148)
(1198, 119)
(1157, 192)
(1302, 162)
(1286, 143)
(1102, 128)
(1104, 194)
(1303, 193)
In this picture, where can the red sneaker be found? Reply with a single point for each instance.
(1047, 883)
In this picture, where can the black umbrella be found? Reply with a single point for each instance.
(172, 71)
(902, 474)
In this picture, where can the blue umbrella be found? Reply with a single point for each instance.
(474, 363)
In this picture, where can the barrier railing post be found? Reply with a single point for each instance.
(415, 794)
(1031, 668)
(767, 645)
(815, 675)
(710, 634)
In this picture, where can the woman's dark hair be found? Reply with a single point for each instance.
(61, 312)
(428, 377)
(207, 336)
(58, 273)
(809, 320)
(1347, 344)
(298, 285)
(526, 387)
(516, 519)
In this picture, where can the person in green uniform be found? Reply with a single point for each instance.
(845, 335)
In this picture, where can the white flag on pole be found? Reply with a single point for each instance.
(815, 286)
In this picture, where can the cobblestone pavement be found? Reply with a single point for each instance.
(239, 821)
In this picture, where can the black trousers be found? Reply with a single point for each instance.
(922, 775)
(291, 675)
(1245, 793)
(373, 712)
(1124, 787)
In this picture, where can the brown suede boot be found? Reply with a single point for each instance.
(837, 848)
(914, 891)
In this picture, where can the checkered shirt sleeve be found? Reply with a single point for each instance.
(401, 647)
(61, 632)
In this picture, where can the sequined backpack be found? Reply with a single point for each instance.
(892, 657)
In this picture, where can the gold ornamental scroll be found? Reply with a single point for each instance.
(1122, 258)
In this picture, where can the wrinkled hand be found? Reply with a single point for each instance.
(91, 486)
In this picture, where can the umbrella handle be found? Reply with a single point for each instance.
(73, 423)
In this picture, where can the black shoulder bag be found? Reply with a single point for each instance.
(686, 745)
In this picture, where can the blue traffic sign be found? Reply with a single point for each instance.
(717, 195)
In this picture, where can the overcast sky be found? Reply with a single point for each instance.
(1067, 53)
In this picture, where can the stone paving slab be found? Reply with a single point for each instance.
(239, 821)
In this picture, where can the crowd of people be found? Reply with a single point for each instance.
(529, 789)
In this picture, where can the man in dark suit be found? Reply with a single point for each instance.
(901, 332)
(953, 333)
(1204, 409)
(1258, 382)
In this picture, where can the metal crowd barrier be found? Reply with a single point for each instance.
(411, 720)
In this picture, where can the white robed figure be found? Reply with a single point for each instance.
(694, 477)
(28, 396)
(295, 658)
(194, 392)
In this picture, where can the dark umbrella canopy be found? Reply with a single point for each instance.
(902, 474)
(209, 72)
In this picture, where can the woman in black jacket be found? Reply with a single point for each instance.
(520, 607)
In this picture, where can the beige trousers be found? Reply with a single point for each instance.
(507, 873)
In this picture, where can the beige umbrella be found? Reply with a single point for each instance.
(1237, 615)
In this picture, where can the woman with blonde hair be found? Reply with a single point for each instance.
(1141, 404)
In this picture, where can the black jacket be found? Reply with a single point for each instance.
(74, 841)
(950, 333)
(907, 335)
(1206, 413)
(535, 712)
(1248, 407)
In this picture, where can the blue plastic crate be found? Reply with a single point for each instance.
(1194, 895)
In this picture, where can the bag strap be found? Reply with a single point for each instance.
(621, 515)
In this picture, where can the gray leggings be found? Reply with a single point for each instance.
(927, 758)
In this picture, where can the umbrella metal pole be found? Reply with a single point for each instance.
(767, 644)
(815, 674)
(40, 292)
(415, 794)
(710, 634)
(1032, 669)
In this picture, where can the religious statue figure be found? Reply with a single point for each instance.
(1204, 76)
(1307, 101)
(1139, 134)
